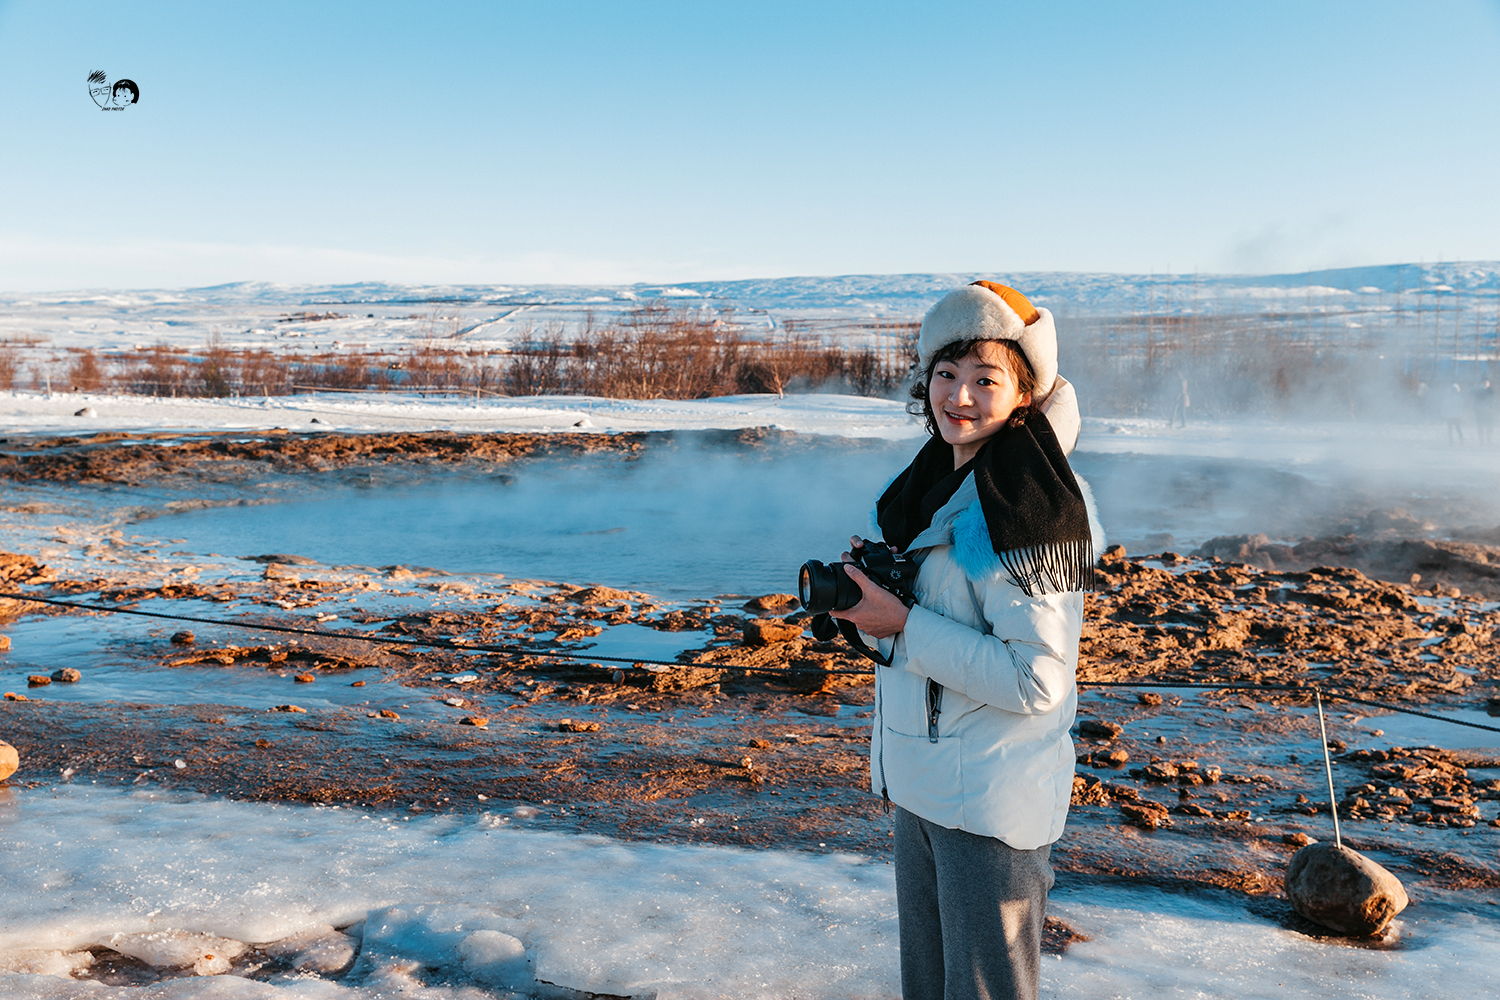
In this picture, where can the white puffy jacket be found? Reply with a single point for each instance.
(999, 761)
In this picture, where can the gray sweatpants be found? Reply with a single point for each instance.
(971, 911)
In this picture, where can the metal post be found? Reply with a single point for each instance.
(1333, 807)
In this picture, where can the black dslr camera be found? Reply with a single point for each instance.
(823, 588)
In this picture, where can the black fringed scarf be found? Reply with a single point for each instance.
(1032, 505)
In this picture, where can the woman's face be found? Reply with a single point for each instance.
(972, 398)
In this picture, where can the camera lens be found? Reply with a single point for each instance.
(823, 588)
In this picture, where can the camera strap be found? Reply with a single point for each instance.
(825, 627)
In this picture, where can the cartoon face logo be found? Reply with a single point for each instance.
(125, 92)
(112, 97)
(99, 88)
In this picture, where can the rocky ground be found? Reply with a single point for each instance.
(758, 737)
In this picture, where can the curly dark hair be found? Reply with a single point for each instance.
(1013, 359)
(135, 92)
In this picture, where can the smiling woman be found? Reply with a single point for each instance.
(970, 738)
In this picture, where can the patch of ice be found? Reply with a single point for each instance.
(457, 905)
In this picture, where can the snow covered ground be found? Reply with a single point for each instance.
(850, 416)
(480, 906)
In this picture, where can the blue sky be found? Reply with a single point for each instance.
(660, 141)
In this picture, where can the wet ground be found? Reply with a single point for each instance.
(758, 736)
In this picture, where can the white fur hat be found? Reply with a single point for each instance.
(987, 310)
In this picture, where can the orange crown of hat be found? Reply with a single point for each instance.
(988, 310)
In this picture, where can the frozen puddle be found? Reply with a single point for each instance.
(450, 907)
(1149, 945)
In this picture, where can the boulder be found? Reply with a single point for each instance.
(10, 760)
(17, 568)
(1146, 815)
(779, 603)
(1109, 758)
(765, 631)
(1343, 890)
(67, 675)
(1113, 554)
(1098, 729)
(590, 596)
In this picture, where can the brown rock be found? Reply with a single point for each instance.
(183, 638)
(12, 696)
(1146, 815)
(1343, 890)
(304, 678)
(10, 760)
(759, 744)
(67, 675)
(599, 595)
(780, 603)
(1089, 791)
(386, 713)
(1298, 839)
(1149, 698)
(1098, 729)
(289, 708)
(4, 643)
(357, 684)
(16, 568)
(1109, 758)
(1113, 554)
(38, 680)
(571, 726)
(766, 631)
(1160, 771)
(474, 720)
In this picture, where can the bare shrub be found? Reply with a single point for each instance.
(654, 351)
(159, 371)
(263, 373)
(10, 365)
(87, 374)
(216, 370)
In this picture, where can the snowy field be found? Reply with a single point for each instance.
(480, 906)
(379, 317)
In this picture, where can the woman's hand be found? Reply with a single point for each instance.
(879, 612)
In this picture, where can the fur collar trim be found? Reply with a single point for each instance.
(975, 554)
